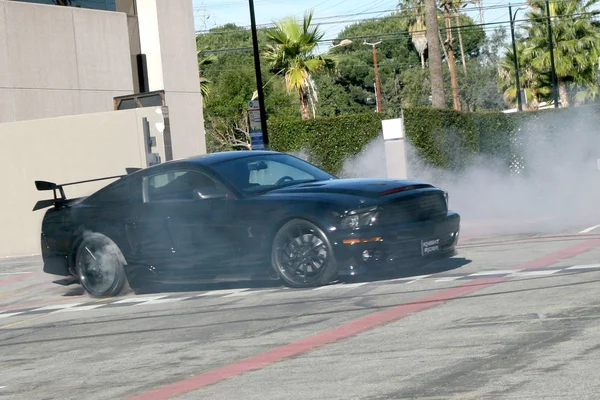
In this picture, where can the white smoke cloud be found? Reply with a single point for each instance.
(557, 189)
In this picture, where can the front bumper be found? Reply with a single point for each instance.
(389, 248)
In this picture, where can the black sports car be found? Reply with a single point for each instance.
(243, 213)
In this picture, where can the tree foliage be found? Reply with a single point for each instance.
(576, 42)
(290, 52)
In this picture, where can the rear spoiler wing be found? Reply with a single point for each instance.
(59, 193)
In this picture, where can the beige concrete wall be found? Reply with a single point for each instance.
(167, 37)
(57, 61)
(61, 150)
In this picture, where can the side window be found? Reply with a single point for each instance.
(116, 193)
(176, 185)
(268, 172)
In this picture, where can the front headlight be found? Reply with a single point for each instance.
(359, 218)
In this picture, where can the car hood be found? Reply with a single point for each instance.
(363, 187)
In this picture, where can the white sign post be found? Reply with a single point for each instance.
(395, 151)
(256, 134)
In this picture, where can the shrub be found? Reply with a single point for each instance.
(443, 138)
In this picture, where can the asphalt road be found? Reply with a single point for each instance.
(512, 317)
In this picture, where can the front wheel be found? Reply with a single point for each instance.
(100, 266)
(302, 255)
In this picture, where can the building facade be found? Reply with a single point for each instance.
(107, 5)
(69, 78)
(69, 60)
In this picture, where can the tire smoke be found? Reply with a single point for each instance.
(548, 181)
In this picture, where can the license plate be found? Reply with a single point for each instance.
(430, 247)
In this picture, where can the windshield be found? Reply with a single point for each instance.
(262, 173)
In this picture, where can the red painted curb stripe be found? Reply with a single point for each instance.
(349, 329)
(15, 278)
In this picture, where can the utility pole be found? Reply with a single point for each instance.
(552, 66)
(450, 53)
(259, 84)
(514, 46)
(377, 81)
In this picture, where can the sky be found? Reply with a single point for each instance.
(329, 13)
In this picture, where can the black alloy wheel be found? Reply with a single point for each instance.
(302, 255)
(100, 266)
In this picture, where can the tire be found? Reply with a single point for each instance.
(99, 265)
(302, 255)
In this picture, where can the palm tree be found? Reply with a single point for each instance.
(290, 51)
(533, 83)
(436, 73)
(415, 13)
(576, 39)
(204, 82)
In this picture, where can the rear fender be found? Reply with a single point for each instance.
(53, 264)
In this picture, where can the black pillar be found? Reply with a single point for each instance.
(514, 46)
(259, 84)
(552, 66)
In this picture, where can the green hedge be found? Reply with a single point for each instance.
(327, 140)
(443, 138)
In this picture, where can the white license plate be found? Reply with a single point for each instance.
(430, 247)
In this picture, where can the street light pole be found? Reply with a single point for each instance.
(552, 66)
(377, 80)
(514, 46)
(259, 84)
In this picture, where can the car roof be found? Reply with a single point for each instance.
(214, 158)
(206, 159)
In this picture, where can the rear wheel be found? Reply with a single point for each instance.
(302, 255)
(100, 266)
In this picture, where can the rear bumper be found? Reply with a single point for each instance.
(390, 248)
(54, 264)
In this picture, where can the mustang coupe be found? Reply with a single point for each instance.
(251, 214)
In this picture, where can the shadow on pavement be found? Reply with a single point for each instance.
(412, 270)
(406, 271)
(201, 287)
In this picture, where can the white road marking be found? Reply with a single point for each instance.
(139, 299)
(591, 266)
(328, 286)
(497, 272)
(6, 315)
(221, 292)
(410, 278)
(591, 228)
(449, 279)
(535, 273)
(341, 286)
(15, 273)
(82, 308)
(57, 307)
(247, 292)
(2, 387)
(162, 301)
(353, 285)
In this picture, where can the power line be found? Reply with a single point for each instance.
(330, 17)
(404, 34)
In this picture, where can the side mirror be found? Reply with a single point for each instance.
(209, 194)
